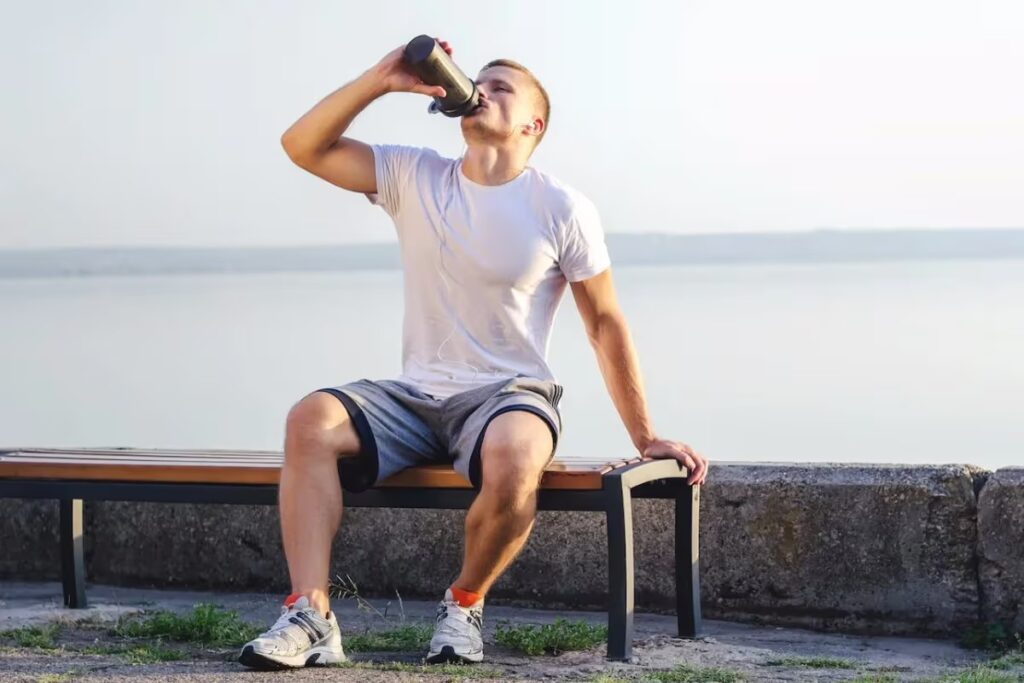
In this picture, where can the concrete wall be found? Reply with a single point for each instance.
(1001, 547)
(885, 549)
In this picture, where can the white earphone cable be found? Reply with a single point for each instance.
(442, 243)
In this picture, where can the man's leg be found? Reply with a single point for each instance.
(318, 432)
(516, 448)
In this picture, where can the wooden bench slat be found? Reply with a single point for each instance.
(142, 473)
(176, 460)
(246, 467)
(140, 455)
(558, 466)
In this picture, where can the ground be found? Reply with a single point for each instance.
(84, 648)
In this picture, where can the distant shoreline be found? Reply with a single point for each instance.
(650, 249)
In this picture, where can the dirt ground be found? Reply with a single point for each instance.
(726, 652)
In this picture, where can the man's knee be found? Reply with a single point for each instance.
(517, 446)
(319, 426)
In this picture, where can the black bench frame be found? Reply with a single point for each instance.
(647, 479)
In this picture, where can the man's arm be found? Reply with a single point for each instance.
(616, 355)
(315, 141)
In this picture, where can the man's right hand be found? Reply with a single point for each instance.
(392, 74)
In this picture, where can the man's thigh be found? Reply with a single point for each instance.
(529, 398)
(393, 422)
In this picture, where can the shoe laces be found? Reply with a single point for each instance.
(283, 620)
(451, 616)
(289, 611)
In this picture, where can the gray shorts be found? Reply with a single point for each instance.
(400, 426)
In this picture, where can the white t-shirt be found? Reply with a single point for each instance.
(485, 266)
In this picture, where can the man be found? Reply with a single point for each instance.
(488, 245)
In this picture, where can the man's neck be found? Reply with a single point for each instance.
(488, 165)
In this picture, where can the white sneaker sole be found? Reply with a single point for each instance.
(447, 655)
(316, 656)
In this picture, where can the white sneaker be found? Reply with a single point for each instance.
(300, 637)
(457, 637)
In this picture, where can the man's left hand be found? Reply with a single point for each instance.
(695, 463)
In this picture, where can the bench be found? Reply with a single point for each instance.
(251, 477)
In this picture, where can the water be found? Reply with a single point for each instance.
(911, 362)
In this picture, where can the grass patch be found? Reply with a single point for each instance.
(137, 654)
(979, 674)
(694, 674)
(401, 639)
(58, 678)
(812, 663)
(875, 678)
(205, 624)
(42, 637)
(151, 654)
(561, 636)
(91, 622)
(1007, 661)
(460, 671)
(1006, 644)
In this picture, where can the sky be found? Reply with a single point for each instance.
(159, 123)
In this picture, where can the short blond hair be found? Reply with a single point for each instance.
(545, 101)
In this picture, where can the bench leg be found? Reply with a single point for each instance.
(620, 573)
(72, 556)
(688, 562)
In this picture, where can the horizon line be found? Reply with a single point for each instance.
(370, 243)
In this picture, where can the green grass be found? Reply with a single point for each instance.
(561, 636)
(979, 674)
(34, 636)
(58, 678)
(875, 678)
(150, 654)
(137, 654)
(693, 674)
(401, 639)
(1007, 661)
(1000, 640)
(458, 671)
(812, 663)
(206, 625)
(91, 622)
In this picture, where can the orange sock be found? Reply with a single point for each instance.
(294, 598)
(465, 598)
